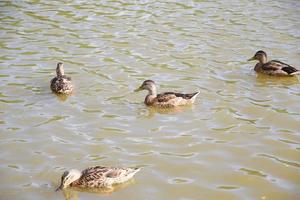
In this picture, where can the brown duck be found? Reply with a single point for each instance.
(96, 177)
(61, 84)
(273, 67)
(166, 99)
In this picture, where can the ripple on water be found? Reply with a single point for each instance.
(92, 110)
(109, 48)
(53, 119)
(289, 141)
(185, 155)
(180, 180)
(60, 140)
(96, 157)
(15, 101)
(285, 162)
(253, 172)
(228, 187)
(224, 129)
(112, 130)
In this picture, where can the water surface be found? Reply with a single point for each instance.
(239, 141)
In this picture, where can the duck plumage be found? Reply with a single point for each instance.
(273, 67)
(61, 84)
(166, 99)
(96, 177)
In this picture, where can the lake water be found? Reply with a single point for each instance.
(241, 139)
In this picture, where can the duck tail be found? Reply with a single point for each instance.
(290, 70)
(132, 171)
(136, 169)
(295, 73)
(194, 96)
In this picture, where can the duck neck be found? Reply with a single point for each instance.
(60, 71)
(152, 91)
(151, 95)
(258, 67)
(263, 59)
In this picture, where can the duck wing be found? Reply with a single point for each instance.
(100, 176)
(167, 96)
(119, 175)
(275, 65)
(91, 177)
(94, 170)
(100, 171)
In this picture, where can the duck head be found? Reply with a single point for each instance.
(69, 177)
(261, 56)
(147, 85)
(60, 69)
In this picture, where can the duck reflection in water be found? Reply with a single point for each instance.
(74, 192)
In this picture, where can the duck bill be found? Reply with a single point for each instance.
(138, 89)
(59, 188)
(253, 58)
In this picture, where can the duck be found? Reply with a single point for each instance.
(96, 177)
(61, 84)
(166, 99)
(273, 67)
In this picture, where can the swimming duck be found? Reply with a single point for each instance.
(167, 99)
(272, 67)
(61, 84)
(96, 177)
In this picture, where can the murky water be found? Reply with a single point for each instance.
(239, 141)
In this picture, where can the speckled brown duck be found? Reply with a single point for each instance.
(96, 177)
(166, 99)
(61, 84)
(273, 67)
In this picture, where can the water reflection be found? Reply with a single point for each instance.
(73, 193)
(63, 97)
(152, 111)
(266, 80)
